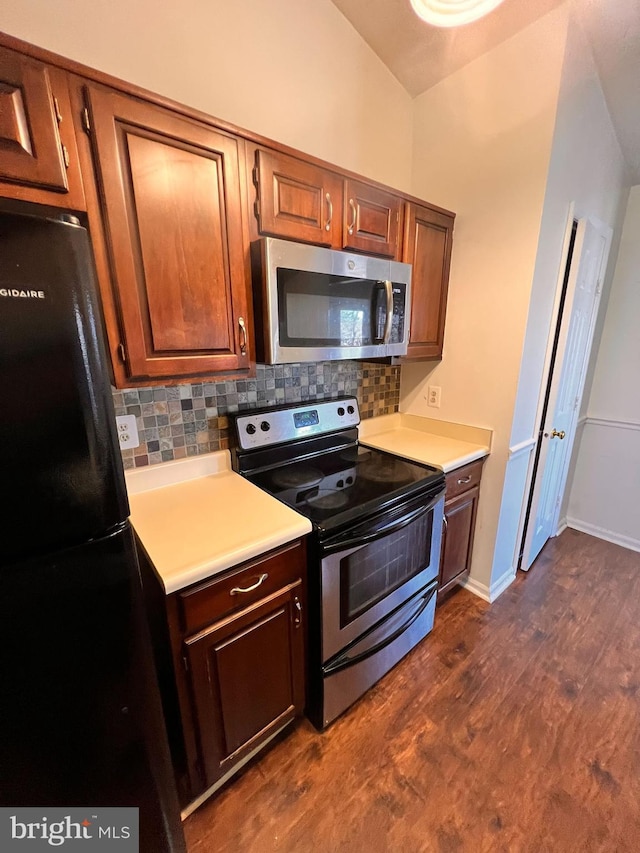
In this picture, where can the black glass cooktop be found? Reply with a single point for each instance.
(341, 486)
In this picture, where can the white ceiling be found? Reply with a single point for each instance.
(420, 55)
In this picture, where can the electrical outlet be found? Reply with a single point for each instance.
(433, 396)
(127, 431)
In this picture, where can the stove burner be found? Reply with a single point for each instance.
(385, 471)
(298, 477)
(328, 499)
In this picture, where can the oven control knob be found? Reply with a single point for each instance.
(251, 428)
(350, 409)
(265, 426)
(340, 411)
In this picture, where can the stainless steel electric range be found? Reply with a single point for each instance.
(375, 548)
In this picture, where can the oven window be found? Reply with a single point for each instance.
(377, 569)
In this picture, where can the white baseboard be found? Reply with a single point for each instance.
(562, 526)
(490, 593)
(603, 533)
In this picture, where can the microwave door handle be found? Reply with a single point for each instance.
(378, 320)
(389, 321)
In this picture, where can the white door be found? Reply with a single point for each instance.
(588, 265)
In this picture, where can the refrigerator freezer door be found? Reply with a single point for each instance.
(59, 452)
(80, 719)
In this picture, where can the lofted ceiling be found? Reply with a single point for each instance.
(420, 55)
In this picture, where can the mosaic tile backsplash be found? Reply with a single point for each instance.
(184, 420)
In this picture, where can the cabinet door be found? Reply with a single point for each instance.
(34, 101)
(247, 678)
(460, 519)
(171, 208)
(427, 246)
(298, 201)
(371, 220)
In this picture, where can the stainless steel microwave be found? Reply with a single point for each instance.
(318, 304)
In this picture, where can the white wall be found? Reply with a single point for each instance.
(482, 144)
(605, 494)
(294, 71)
(586, 168)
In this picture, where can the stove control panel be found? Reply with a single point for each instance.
(289, 423)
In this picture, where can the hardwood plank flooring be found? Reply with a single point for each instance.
(512, 728)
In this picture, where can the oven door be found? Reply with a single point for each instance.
(371, 570)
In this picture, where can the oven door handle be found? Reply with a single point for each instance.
(343, 661)
(363, 539)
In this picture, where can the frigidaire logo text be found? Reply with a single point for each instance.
(14, 293)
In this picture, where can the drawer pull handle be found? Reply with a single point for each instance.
(464, 480)
(238, 590)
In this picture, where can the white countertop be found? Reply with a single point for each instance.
(426, 440)
(196, 518)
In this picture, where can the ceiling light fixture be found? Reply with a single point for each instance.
(452, 13)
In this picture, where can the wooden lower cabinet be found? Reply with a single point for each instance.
(460, 510)
(241, 675)
(245, 675)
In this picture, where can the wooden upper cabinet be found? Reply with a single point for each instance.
(427, 246)
(372, 220)
(297, 200)
(301, 201)
(170, 193)
(36, 162)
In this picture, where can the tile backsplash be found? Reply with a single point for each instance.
(183, 420)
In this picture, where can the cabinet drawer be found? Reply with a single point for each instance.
(464, 478)
(206, 603)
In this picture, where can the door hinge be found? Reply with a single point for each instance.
(185, 662)
(122, 352)
(56, 109)
(65, 155)
(599, 287)
(86, 121)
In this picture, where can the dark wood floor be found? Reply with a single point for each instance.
(514, 727)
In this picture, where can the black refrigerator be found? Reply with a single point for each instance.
(81, 722)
